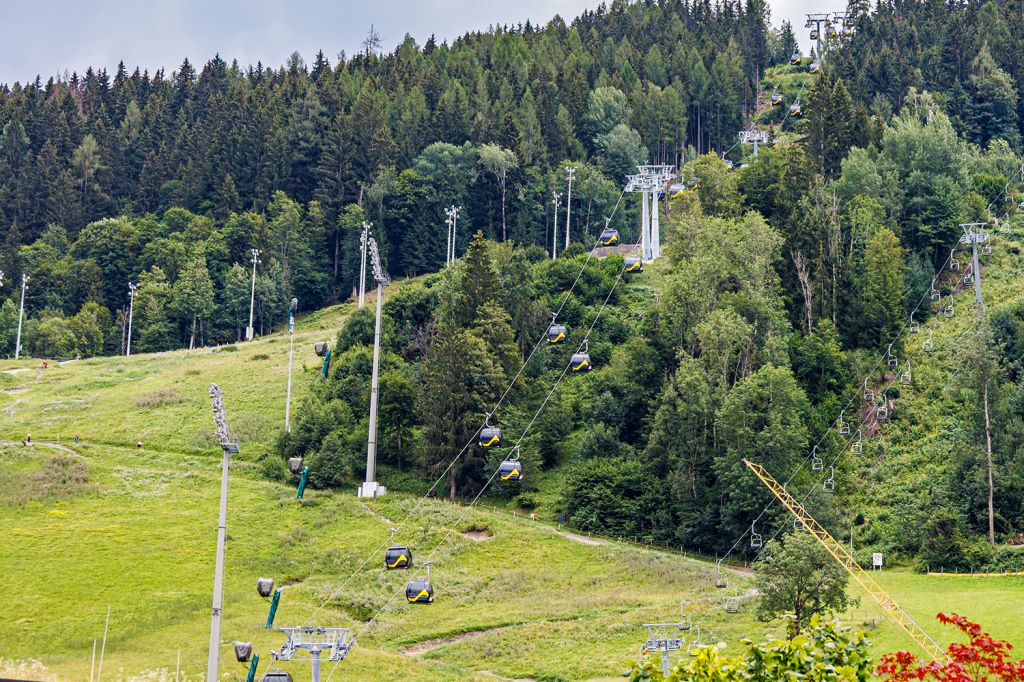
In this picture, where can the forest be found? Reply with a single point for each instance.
(782, 280)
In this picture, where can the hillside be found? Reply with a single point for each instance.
(139, 536)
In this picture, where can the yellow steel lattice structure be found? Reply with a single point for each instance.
(846, 560)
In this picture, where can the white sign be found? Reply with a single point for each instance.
(876, 560)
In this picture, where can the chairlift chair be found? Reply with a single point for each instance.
(857, 447)
(634, 264)
(928, 346)
(914, 326)
(420, 591)
(890, 358)
(829, 485)
(277, 676)
(905, 377)
(511, 469)
(969, 278)
(721, 582)
(949, 311)
(935, 292)
(732, 604)
(755, 538)
(986, 249)
(882, 411)
(954, 263)
(609, 237)
(869, 394)
(844, 427)
(816, 462)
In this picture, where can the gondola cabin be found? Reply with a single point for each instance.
(833, 32)
(634, 264)
(557, 333)
(511, 470)
(776, 99)
(397, 557)
(729, 165)
(795, 59)
(419, 592)
(814, 34)
(277, 676)
(609, 237)
(580, 362)
(815, 67)
(490, 437)
(795, 111)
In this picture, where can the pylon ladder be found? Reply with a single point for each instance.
(846, 560)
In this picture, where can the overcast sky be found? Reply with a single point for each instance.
(48, 37)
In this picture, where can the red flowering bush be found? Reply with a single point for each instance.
(981, 659)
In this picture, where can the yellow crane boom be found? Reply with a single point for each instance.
(846, 560)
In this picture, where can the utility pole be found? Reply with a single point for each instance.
(228, 448)
(21, 315)
(292, 308)
(973, 236)
(252, 297)
(363, 236)
(132, 288)
(555, 199)
(570, 173)
(371, 488)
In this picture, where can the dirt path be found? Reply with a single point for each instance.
(43, 444)
(575, 537)
(431, 644)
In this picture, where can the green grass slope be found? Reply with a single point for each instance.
(135, 529)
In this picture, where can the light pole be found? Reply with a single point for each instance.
(453, 220)
(363, 236)
(292, 307)
(132, 288)
(371, 488)
(556, 197)
(228, 448)
(21, 315)
(252, 297)
(570, 172)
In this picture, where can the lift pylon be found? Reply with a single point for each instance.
(846, 560)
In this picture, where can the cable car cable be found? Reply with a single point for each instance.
(526, 430)
(473, 438)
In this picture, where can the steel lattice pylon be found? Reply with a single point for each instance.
(843, 556)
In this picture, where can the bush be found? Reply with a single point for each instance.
(944, 543)
(526, 501)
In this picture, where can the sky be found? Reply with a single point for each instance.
(53, 36)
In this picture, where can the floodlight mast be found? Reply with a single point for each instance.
(228, 448)
(371, 488)
(21, 315)
(252, 296)
(132, 288)
(570, 173)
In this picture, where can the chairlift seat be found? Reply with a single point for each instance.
(397, 557)
(419, 592)
(732, 605)
(817, 464)
(829, 486)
